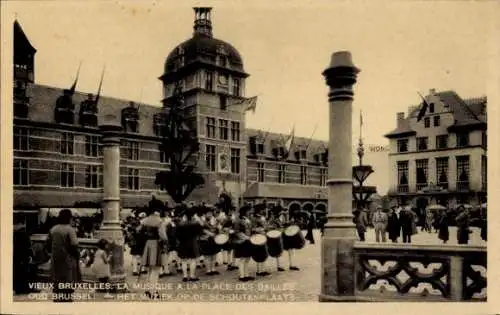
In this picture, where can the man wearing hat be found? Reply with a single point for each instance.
(188, 231)
(379, 221)
(274, 223)
(210, 229)
(259, 225)
(361, 222)
(138, 242)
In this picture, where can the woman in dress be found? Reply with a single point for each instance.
(101, 267)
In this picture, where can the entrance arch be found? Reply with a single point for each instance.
(308, 207)
(293, 207)
(321, 206)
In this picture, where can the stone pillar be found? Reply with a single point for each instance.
(338, 263)
(111, 229)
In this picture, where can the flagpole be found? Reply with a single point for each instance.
(312, 135)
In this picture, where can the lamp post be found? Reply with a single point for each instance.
(360, 173)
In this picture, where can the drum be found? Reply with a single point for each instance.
(259, 247)
(242, 246)
(222, 241)
(274, 243)
(208, 247)
(293, 238)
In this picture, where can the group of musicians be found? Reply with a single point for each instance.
(182, 239)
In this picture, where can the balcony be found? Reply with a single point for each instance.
(421, 186)
(402, 272)
(463, 186)
(402, 189)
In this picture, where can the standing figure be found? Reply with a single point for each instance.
(242, 251)
(311, 225)
(188, 231)
(24, 270)
(209, 250)
(443, 226)
(101, 267)
(463, 223)
(167, 245)
(393, 226)
(408, 225)
(379, 222)
(274, 223)
(291, 251)
(153, 230)
(64, 264)
(361, 221)
(483, 224)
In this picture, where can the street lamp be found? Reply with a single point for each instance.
(360, 173)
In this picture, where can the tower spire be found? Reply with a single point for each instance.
(202, 21)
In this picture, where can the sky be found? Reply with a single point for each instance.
(401, 47)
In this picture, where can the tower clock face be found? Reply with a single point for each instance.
(222, 79)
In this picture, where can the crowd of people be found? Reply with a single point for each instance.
(402, 222)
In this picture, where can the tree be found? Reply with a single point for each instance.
(180, 146)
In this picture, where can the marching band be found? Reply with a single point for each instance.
(166, 241)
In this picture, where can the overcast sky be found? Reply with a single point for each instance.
(401, 48)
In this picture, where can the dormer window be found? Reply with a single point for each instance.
(159, 124)
(253, 145)
(260, 148)
(316, 158)
(303, 154)
(88, 112)
(431, 108)
(130, 118)
(64, 111)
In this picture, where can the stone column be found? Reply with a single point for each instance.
(338, 264)
(111, 229)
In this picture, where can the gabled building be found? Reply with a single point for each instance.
(446, 148)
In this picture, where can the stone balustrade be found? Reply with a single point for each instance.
(392, 272)
(88, 247)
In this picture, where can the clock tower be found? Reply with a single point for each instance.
(212, 77)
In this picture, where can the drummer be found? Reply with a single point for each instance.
(291, 251)
(210, 227)
(259, 225)
(220, 218)
(274, 223)
(188, 232)
(242, 227)
(228, 227)
(169, 255)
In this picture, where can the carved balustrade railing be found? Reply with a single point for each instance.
(87, 246)
(414, 272)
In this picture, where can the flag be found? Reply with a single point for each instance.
(422, 111)
(249, 103)
(100, 86)
(73, 87)
(289, 141)
(312, 135)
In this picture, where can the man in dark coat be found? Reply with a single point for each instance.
(24, 271)
(407, 221)
(443, 226)
(188, 231)
(463, 223)
(311, 225)
(393, 226)
(361, 221)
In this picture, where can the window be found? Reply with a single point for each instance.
(67, 143)
(422, 143)
(427, 122)
(210, 157)
(223, 102)
(281, 173)
(236, 87)
(133, 179)
(163, 155)
(437, 121)
(484, 140)
(210, 127)
(235, 161)
(21, 173)
(260, 172)
(462, 140)
(442, 141)
(431, 108)
(303, 175)
(316, 158)
(91, 146)
(209, 81)
(422, 167)
(322, 177)
(67, 175)
(442, 172)
(402, 176)
(402, 145)
(235, 131)
(260, 148)
(21, 139)
(303, 154)
(463, 168)
(133, 150)
(223, 129)
(92, 176)
(253, 145)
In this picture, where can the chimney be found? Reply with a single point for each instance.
(400, 117)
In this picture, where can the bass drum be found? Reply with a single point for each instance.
(259, 247)
(242, 246)
(293, 238)
(274, 243)
(222, 241)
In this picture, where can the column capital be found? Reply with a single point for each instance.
(111, 133)
(340, 76)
